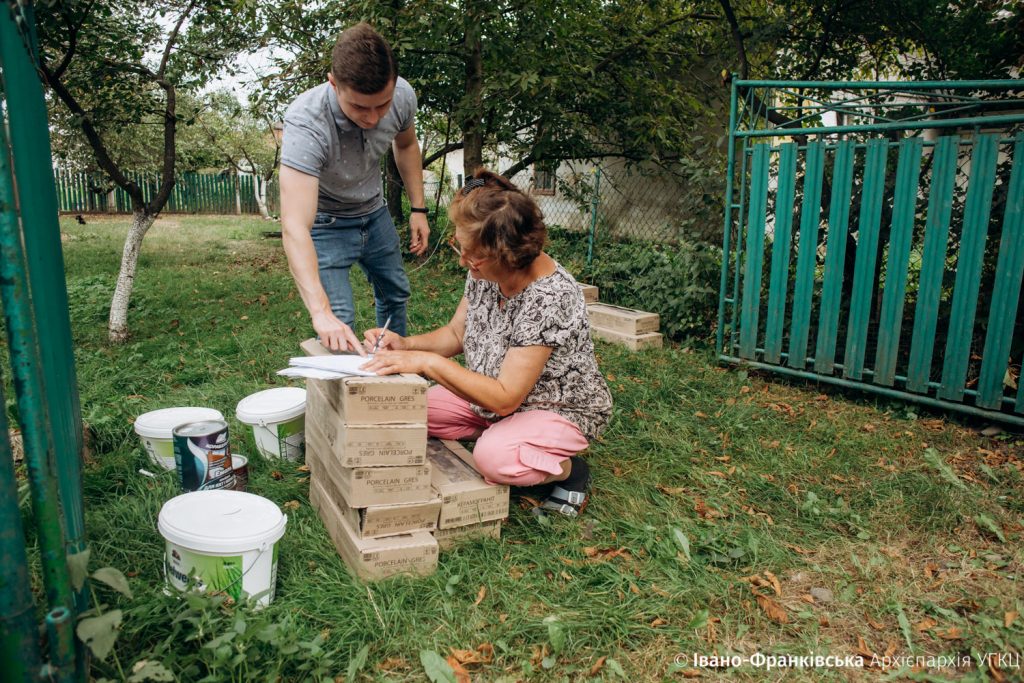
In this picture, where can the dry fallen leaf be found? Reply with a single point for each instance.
(773, 609)
(393, 663)
(774, 580)
(481, 595)
(952, 633)
(461, 675)
(925, 624)
(890, 649)
(863, 649)
(1009, 618)
(598, 665)
(700, 413)
(658, 622)
(670, 490)
(690, 673)
(291, 505)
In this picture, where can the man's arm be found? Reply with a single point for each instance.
(410, 167)
(298, 210)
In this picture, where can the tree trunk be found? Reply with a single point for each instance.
(259, 189)
(472, 124)
(238, 194)
(112, 201)
(393, 188)
(118, 324)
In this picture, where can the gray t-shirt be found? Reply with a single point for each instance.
(549, 312)
(321, 141)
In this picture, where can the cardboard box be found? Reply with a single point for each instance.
(371, 400)
(446, 538)
(465, 497)
(362, 445)
(463, 453)
(374, 558)
(375, 400)
(651, 340)
(589, 293)
(625, 320)
(365, 486)
(379, 521)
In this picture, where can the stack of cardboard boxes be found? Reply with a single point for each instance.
(631, 328)
(377, 493)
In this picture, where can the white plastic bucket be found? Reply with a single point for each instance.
(278, 420)
(227, 540)
(154, 430)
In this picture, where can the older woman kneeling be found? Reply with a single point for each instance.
(531, 392)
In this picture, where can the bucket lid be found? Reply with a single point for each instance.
(221, 521)
(157, 424)
(271, 405)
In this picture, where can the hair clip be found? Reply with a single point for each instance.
(472, 184)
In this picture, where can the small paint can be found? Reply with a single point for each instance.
(202, 455)
(240, 465)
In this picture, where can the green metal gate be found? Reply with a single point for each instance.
(874, 238)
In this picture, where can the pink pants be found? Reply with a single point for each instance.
(522, 449)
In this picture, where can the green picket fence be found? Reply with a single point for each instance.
(877, 241)
(213, 193)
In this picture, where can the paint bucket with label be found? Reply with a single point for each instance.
(203, 456)
(278, 420)
(227, 541)
(154, 430)
(240, 465)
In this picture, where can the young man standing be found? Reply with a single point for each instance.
(332, 206)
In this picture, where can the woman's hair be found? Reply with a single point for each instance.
(503, 222)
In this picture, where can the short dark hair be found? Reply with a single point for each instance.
(502, 221)
(362, 60)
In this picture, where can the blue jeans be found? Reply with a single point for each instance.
(373, 243)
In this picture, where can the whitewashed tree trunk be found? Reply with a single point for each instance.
(259, 189)
(112, 201)
(238, 195)
(117, 327)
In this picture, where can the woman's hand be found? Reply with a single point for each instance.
(391, 341)
(395, 362)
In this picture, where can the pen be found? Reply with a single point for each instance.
(381, 335)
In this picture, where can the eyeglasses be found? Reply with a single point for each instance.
(473, 263)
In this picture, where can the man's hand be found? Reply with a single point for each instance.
(336, 335)
(419, 231)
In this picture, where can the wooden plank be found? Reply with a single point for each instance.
(1002, 314)
(810, 217)
(936, 238)
(751, 306)
(968, 267)
(835, 258)
(778, 285)
(908, 172)
(863, 291)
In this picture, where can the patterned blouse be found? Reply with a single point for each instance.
(549, 312)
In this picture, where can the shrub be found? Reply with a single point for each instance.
(677, 281)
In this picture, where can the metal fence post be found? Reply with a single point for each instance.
(594, 202)
(19, 633)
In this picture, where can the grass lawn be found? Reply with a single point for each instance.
(732, 513)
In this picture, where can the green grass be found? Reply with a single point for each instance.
(706, 477)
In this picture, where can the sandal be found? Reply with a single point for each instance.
(568, 503)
